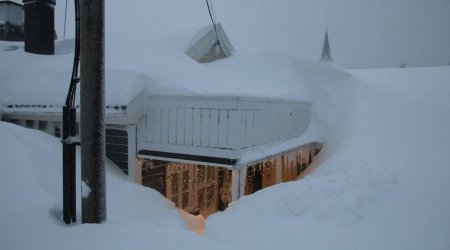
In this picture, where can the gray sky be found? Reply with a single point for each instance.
(363, 33)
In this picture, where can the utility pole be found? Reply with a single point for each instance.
(92, 93)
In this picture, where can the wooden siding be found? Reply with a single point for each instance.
(197, 189)
(223, 122)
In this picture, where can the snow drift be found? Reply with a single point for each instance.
(31, 208)
(381, 180)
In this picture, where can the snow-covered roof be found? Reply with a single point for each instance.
(13, 1)
(156, 63)
(42, 81)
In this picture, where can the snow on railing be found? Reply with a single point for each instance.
(223, 122)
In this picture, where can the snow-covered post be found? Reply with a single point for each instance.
(92, 111)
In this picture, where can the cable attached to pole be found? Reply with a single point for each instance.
(69, 132)
(212, 20)
(65, 18)
(75, 79)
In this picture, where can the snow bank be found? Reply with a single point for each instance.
(383, 176)
(30, 211)
(382, 182)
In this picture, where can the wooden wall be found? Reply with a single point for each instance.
(223, 123)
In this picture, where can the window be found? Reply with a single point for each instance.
(42, 125)
(211, 176)
(201, 174)
(210, 197)
(185, 200)
(185, 189)
(185, 180)
(201, 198)
(174, 179)
(29, 123)
(194, 188)
(57, 131)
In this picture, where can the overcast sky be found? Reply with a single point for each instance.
(363, 33)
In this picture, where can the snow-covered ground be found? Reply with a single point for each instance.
(31, 204)
(381, 182)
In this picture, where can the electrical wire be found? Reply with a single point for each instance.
(212, 19)
(70, 100)
(212, 11)
(69, 131)
(65, 18)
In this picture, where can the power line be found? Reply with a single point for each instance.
(212, 20)
(212, 11)
(65, 18)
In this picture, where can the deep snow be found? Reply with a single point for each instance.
(381, 182)
(156, 63)
(31, 207)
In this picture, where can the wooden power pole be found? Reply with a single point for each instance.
(92, 94)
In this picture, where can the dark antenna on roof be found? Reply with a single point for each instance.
(326, 52)
(209, 5)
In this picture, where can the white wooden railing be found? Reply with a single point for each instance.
(230, 123)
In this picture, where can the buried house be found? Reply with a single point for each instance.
(202, 135)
